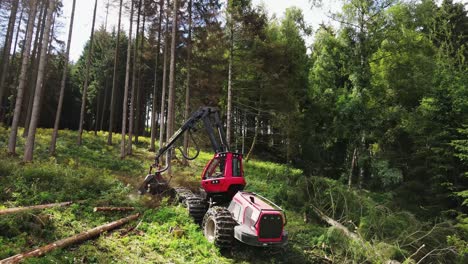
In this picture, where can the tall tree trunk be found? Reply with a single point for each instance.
(6, 54)
(104, 106)
(254, 141)
(229, 91)
(189, 66)
(362, 163)
(107, 15)
(134, 76)
(127, 80)
(171, 95)
(17, 33)
(22, 77)
(139, 92)
(29, 148)
(114, 80)
(155, 87)
(35, 65)
(62, 84)
(85, 87)
(353, 164)
(163, 120)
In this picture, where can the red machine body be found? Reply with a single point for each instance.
(260, 221)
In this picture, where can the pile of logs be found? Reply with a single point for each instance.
(70, 240)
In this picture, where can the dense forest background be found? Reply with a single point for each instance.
(379, 103)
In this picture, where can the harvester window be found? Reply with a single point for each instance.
(216, 169)
(236, 170)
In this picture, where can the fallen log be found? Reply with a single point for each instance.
(69, 241)
(111, 209)
(34, 207)
(335, 224)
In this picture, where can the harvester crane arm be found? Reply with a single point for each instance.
(204, 114)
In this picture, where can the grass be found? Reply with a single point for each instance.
(94, 174)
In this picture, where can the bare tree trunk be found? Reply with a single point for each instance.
(171, 95)
(114, 80)
(17, 33)
(22, 78)
(107, 15)
(35, 65)
(362, 163)
(29, 148)
(85, 87)
(104, 106)
(353, 163)
(257, 124)
(229, 91)
(34, 207)
(139, 92)
(189, 66)
(127, 80)
(162, 128)
(62, 85)
(134, 75)
(6, 54)
(155, 87)
(70, 240)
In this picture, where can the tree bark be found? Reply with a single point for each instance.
(114, 80)
(171, 95)
(134, 76)
(189, 66)
(85, 87)
(22, 78)
(70, 240)
(229, 91)
(257, 124)
(127, 80)
(155, 87)
(35, 65)
(29, 148)
(17, 33)
(6, 54)
(139, 89)
(34, 207)
(62, 85)
(353, 164)
(162, 119)
(112, 209)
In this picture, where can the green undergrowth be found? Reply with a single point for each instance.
(93, 175)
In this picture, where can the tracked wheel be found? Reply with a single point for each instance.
(218, 227)
(182, 194)
(196, 207)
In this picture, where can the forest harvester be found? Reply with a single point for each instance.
(223, 208)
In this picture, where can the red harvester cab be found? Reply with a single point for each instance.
(223, 176)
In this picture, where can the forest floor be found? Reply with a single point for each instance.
(95, 175)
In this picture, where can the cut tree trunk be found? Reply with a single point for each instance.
(109, 209)
(114, 80)
(171, 94)
(155, 87)
(34, 207)
(162, 118)
(29, 147)
(70, 240)
(189, 71)
(22, 79)
(85, 87)
(127, 80)
(62, 85)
